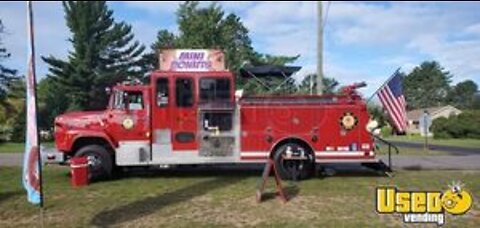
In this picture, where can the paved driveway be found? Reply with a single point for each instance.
(453, 150)
(449, 162)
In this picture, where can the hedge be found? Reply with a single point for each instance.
(465, 125)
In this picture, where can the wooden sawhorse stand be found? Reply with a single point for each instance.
(266, 173)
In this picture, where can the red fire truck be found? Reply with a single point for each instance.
(189, 114)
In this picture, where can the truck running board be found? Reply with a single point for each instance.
(379, 166)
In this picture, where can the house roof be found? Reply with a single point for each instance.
(417, 113)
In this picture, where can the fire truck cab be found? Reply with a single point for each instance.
(194, 117)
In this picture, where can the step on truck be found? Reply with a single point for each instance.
(190, 114)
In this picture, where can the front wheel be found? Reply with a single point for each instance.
(294, 169)
(99, 161)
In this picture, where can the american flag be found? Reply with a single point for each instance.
(31, 162)
(393, 100)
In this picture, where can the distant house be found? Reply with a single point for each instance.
(437, 112)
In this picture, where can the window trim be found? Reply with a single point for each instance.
(117, 97)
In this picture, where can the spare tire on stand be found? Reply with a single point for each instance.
(290, 169)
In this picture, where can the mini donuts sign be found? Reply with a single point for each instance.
(192, 60)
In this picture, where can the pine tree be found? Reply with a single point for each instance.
(103, 53)
(7, 75)
(209, 28)
(330, 85)
(462, 95)
(427, 86)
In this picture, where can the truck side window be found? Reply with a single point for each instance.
(184, 92)
(214, 89)
(135, 100)
(162, 92)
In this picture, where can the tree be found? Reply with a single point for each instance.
(50, 105)
(476, 101)
(309, 83)
(462, 95)
(379, 114)
(165, 40)
(426, 86)
(200, 27)
(464, 125)
(14, 107)
(209, 28)
(6, 74)
(270, 85)
(10, 104)
(103, 54)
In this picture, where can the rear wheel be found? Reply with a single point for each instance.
(289, 169)
(99, 161)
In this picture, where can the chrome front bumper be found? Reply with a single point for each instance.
(52, 156)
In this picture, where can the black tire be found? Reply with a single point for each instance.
(294, 169)
(100, 161)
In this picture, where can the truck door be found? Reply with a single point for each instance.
(184, 115)
(129, 125)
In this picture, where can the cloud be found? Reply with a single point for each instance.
(270, 17)
(237, 7)
(154, 7)
(473, 29)
(172, 6)
(407, 32)
(284, 28)
(51, 33)
(459, 57)
(360, 23)
(362, 40)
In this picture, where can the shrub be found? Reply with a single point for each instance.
(386, 131)
(465, 125)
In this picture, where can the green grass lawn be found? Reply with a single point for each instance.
(468, 143)
(219, 199)
(18, 147)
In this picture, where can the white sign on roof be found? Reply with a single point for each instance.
(192, 60)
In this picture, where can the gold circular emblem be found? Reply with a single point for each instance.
(127, 123)
(348, 121)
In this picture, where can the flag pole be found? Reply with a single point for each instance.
(33, 72)
(390, 78)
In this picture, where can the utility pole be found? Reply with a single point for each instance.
(319, 49)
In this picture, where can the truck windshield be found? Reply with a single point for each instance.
(214, 89)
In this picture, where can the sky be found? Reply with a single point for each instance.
(363, 41)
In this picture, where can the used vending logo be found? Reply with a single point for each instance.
(424, 206)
